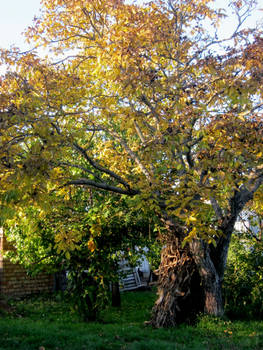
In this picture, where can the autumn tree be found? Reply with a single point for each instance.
(144, 100)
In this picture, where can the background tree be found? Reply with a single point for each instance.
(87, 235)
(144, 101)
(243, 278)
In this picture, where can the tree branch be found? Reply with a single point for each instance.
(99, 167)
(133, 156)
(102, 186)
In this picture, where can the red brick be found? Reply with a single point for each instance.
(14, 280)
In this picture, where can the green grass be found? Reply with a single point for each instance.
(49, 323)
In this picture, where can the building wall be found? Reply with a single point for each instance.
(14, 280)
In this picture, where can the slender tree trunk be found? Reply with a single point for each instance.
(115, 287)
(211, 281)
(213, 298)
(115, 295)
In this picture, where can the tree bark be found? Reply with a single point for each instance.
(190, 278)
(211, 281)
(188, 284)
(179, 294)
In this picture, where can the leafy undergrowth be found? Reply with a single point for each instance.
(49, 323)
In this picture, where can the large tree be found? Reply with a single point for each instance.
(145, 101)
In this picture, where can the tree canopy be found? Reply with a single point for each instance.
(142, 100)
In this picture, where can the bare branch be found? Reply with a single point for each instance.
(145, 100)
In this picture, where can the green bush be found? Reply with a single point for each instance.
(243, 283)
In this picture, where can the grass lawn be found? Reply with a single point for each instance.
(48, 323)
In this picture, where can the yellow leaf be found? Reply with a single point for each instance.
(91, 245)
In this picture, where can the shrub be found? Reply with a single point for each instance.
(243, 283)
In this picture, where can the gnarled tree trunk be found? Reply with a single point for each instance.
(179, 293)
(189, 282)
(190, 278)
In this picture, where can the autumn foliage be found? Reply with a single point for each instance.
(143, 100)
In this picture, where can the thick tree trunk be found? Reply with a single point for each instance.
(190, 278)
(179, 293)
(188, 283)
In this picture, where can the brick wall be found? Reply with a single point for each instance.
(14, 280)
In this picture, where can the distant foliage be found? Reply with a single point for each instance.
(243, 283)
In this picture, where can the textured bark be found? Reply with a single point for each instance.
(190, 279)
(188, 283)
(179, 297)
(211, 281)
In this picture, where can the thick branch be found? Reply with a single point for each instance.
(217, 208)
(240, 198)
(102, 186)
(99, 167)
(77, 166)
